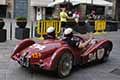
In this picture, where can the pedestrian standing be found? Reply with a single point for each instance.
(76, 16)
(64, 17)
(92, 15)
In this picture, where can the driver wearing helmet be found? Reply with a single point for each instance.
(50, 33)
(69, 38)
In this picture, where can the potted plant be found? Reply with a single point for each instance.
(2, 31)
(21, 21)
(21, 32)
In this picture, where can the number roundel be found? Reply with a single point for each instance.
(38, 46)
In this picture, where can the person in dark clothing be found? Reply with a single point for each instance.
(70, 39)
(92, 15)
(89, 28)
(50, 33)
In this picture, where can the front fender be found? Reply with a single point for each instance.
(56, 57)
(22, 45)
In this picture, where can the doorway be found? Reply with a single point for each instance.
(3, 9)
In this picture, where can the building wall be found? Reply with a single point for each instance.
(7, 8)
(117, 11)
(2, 2)
(42, 3)
(3, 8)
(34, 5)
(10, 9)
(83, 10)
(113, 9)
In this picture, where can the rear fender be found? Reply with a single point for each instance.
(106, 43)
(57, 55)
(102, 43)
(22, 45)
(109, 45)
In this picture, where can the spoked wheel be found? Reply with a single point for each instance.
(106, 55)
(102, 54)
(65, 65)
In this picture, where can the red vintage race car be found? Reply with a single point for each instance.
(58, 55)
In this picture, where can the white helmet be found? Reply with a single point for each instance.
(68, 31)
(50, 29)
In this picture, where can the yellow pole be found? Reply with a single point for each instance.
(97, 27)
(104, 26)
(40, 30)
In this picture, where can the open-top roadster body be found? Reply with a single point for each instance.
(58, 55)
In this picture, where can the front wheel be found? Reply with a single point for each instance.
(65, 65)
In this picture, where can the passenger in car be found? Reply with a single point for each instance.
(69, 38)
(50, 33)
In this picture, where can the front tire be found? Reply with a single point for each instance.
(102, 54)
(65, 65)
(106, 55)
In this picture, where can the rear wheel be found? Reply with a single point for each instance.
(106, 55)
(65, 65)
(102, 54)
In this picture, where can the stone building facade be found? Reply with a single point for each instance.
(6, 8)
(117, 9)
(10, 8)
(39, 6)
(30, 8)
(27, 8)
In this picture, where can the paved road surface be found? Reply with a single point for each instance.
(10, 70)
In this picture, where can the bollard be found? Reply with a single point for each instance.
(39, 29)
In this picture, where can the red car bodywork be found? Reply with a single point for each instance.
(48, 52)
